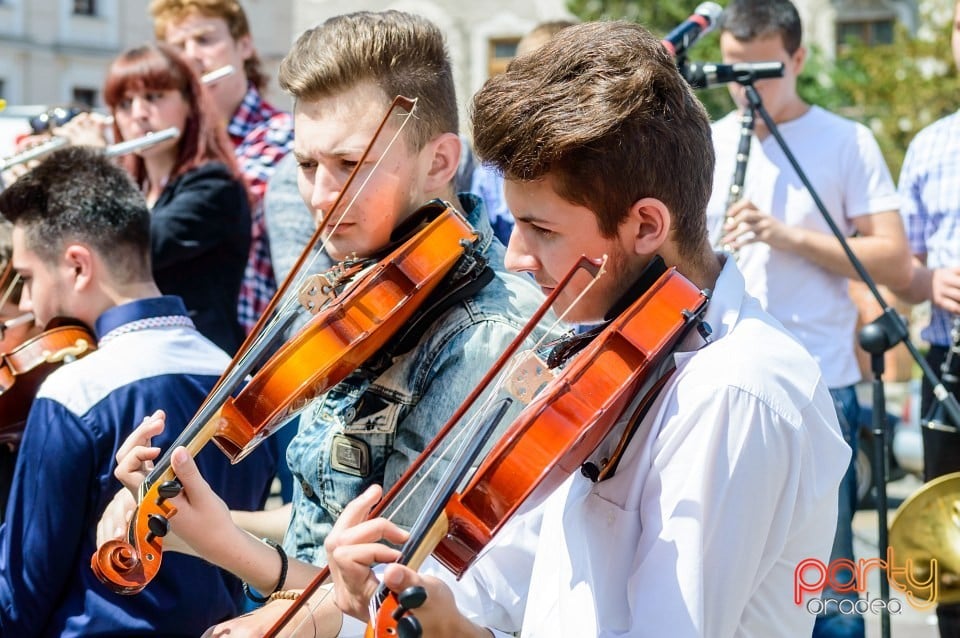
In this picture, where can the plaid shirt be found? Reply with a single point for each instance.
(262, 135)
(930, 206)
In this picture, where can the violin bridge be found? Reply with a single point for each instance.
(529, 375)
(319, 290)
(316, 292)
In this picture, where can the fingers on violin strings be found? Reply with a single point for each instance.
(149, 427)
(137, 460)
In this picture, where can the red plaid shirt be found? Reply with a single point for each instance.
(262, 135)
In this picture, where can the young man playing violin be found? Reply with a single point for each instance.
(730, 480)
(81, 243)
(367, 429)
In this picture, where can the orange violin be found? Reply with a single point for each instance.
(551, 438)
(347, 332)
(24, 367)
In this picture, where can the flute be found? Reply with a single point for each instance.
(137, 143)
(217, 74)
(740, 170)
(54, 143)
(33, 153)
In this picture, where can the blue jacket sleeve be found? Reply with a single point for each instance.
(49, 506)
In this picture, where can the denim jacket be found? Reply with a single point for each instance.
(371, 426)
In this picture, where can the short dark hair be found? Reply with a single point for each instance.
(602, 108)
(747, 20)
(77, 194)
(402, 53)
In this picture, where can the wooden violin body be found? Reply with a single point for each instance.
(24, 367)
(550, 439)
(337, 341)
(558, 431)
(567, 421)
(329, 347)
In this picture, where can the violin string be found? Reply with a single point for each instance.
(458, 441)
(291, 300)
(460, 438)
(266, 335)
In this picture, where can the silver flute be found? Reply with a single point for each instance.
(53, 144)
(740, 170)
(137, 143)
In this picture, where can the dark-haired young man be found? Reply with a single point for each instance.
(81, 243)
(790, 259)
(730, 480)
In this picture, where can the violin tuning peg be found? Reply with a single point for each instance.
(158, 525)
(169, 490)
(409, 627)
(412, 597)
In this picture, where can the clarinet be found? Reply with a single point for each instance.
(936, 415)
(740, 171)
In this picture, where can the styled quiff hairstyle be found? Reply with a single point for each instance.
(165, 12)
(602, 108)
(748, 20)
(402, 53)
(77, 194)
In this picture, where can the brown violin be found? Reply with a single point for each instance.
(551, 438)
(25, 366)
(347, 332)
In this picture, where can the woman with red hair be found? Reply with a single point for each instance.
(200, 211)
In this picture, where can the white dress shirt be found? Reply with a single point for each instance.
(730, 481)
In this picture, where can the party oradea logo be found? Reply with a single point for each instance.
(918, 581)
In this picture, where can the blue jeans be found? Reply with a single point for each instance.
(833, 624)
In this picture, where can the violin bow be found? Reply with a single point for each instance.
(583, 263)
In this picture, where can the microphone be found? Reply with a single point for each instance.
(702, 21)
(703, 75)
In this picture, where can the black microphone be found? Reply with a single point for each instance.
(703, 75)
(702, 21)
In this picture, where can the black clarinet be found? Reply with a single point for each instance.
(740, 171)
(936, 416)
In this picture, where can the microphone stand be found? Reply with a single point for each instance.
(876, 338)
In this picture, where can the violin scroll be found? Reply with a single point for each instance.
(126, 567)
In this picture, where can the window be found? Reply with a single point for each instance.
(869, 32)
(501, 51)
(85, 96)
(85, 7)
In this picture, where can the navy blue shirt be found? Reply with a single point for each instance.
(148, 358)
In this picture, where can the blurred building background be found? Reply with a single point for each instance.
(57, 51)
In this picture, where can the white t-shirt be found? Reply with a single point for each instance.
(730, 481)
(842, 160)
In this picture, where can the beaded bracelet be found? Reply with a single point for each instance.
(284, 594)
(283, 574)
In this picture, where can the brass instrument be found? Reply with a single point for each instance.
(747, 119)
(924, 542)
(925, 533)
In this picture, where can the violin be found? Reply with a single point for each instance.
(551, 438)
(348, 331)
(27, 359)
